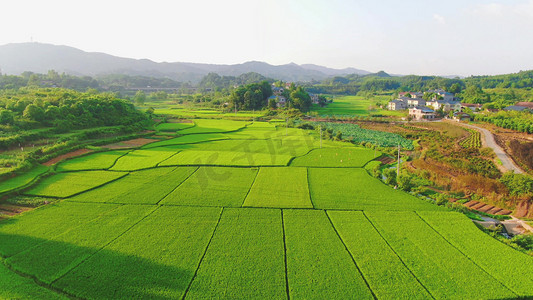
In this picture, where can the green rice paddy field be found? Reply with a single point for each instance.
(245, 212)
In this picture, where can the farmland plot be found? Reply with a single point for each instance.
(211, 126)
(434, 261)
(318, 265)
(142, 159)
(283, 187)
(386, 274)
(140, 187)
(36, 226)
(173, 127)
(336, 157)
(225, 158)
(67, 184)
(245, 258)
(22, 179)
(187, 139)
(155, 259)
(55, 257)
(17, 287)
(510, 267)
(214, 186)
(344, 188)
(96, 161)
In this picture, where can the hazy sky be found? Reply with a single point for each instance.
(445, 37)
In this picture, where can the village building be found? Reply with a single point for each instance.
(472, 106)
(445, 105)
(516, 108)
(422, 113)
(461, 116)
(397, 105)
(414, 102)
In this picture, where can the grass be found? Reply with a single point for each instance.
(52, 259)
(67, 184)
(214, 186)
(336, 157)
(96, 161)
(338, 188)
(142, 159)
(434, 261)
(280, 187)
(318, 265)
(250, 241)
(508, 266)
(141, 187)
(22, 179)
(156, 259)
(386, 274)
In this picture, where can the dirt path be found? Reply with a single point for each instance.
(488, 141)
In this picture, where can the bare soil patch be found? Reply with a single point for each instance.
(65, 156)
(12, 210)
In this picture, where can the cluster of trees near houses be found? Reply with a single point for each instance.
(255, 96)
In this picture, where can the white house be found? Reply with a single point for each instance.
(422, 113)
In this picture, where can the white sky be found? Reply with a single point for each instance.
(452, 37)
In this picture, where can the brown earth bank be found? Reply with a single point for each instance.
(55, 160)
(451, 179)
(8, 210)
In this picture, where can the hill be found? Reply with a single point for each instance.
(39, 58)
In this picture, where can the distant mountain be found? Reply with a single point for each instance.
(39, 58)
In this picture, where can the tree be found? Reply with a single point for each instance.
(455, 88)
(6, 117)
(140, 97)
(301, 99)
(34, 112)
(272, 103)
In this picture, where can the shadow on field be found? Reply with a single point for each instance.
(85, 272)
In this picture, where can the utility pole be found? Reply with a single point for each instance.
(287, 126)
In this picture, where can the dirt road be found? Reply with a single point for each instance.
(488, 141)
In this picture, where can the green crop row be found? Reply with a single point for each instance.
(473, 140)
(318, 265)
(96, 161)
(212, 126)
(280, 187)
(142, 159)
(345, 188)
(56, 256)
(156, 259)
(385, 272)
(510, 267)
(141, 187)
(63, 185)
(226, 158)
(22, 179)
(336, 157)
(441, 268)
(214, 186)
(18, 287)
(245, 259)
(32, 228)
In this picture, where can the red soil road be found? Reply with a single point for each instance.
(65, 156)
